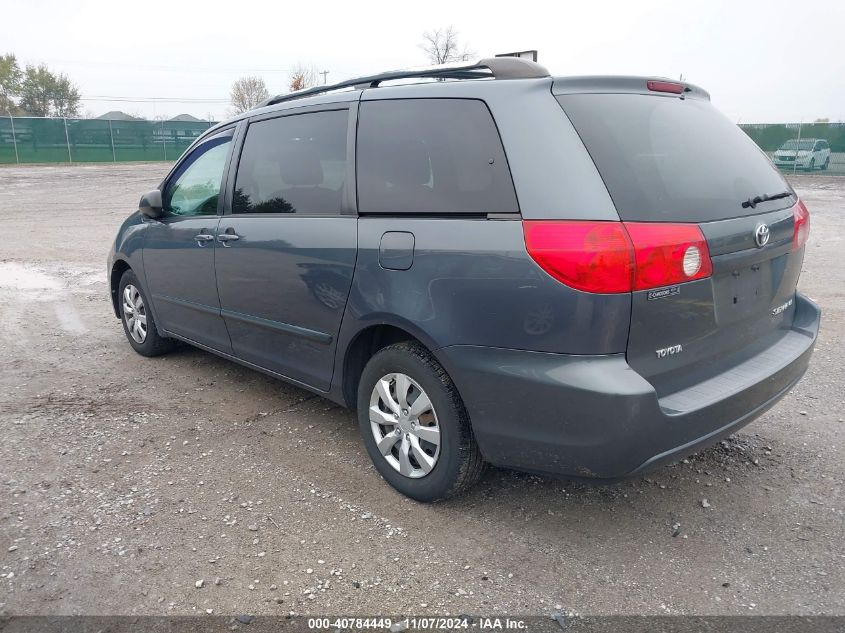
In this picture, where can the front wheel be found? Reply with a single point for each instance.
(812, 164)
(138, 323)
(414, 424)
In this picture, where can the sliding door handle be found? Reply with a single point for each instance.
(228, 236)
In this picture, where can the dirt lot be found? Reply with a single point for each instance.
(126, 482)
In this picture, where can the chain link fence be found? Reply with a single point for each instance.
(794, 147)
(44, 140)
(802, 147)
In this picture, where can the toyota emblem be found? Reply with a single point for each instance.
(761, 235)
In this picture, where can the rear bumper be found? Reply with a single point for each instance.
(594, 416)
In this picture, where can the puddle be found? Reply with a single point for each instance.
(28, 286)
(69, 319)
(15, 276)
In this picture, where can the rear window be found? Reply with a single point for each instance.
(431, 156)
(672, 159)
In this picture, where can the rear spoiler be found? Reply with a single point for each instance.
(615, 84)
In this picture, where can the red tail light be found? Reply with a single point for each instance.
(612, 257)
(668, 254)
(589, 256)
(801, 227)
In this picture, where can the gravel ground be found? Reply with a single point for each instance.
(187, 483)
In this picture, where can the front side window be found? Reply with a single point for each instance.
(431, 156)
(293, 164)
(194, 188)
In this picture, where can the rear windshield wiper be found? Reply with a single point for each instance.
(753, 202)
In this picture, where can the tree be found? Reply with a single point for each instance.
(36, 90)
(10, 81)
(442, 46)
(302, 77)
(44, 94)
(65, 97)
(247, 93)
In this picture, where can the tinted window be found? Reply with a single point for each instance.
(194, 188)
(431, 156)
(672, 159)
(293, 164)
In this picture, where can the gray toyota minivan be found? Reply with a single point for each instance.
(588, 276)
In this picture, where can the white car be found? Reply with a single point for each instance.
(808, 153)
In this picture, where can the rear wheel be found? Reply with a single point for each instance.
(138, 323)
(826, 163)
(414, 424)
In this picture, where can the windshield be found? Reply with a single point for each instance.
(664, 158)
(806, 144)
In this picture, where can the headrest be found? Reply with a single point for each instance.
(299, 165)
(406, 163)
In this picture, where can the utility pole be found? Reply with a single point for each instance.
(324, 73)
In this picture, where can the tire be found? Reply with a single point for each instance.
(132, 299)
(812, 164)
(826, 164)
(457, 462)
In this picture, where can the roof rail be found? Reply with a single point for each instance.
(495, 67)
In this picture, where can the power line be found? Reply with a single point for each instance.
(151, 99)
(182, 69)
(64, 97)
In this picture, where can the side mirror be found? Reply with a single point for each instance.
(150, 204)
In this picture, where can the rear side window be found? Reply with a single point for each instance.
(431, 156)
(672, 159)
(293, 164)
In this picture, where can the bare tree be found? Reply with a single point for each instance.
(247, 93)
(302, 77)
(442, 46)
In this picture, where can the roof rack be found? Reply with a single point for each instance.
(492, 67)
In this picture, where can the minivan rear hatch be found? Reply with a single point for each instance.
(671, 157)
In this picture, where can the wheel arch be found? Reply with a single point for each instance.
(364, 344)
(119, 267)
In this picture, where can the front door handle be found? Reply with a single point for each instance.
(225, 238)
(201, 238)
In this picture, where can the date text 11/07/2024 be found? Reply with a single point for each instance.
(418, 623)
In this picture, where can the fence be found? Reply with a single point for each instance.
(817, 147)
(792, 146)
(41, 140)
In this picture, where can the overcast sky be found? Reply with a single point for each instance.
(765, 61)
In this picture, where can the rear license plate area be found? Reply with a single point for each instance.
(743, 293)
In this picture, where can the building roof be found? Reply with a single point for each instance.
(185, 117)
(117, 115)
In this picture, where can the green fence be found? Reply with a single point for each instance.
(806, 147)
(38, 140)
